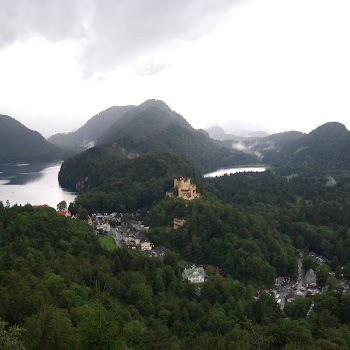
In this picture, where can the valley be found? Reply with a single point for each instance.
(186, 260)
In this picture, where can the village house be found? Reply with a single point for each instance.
(281, 281)
(145, 243)
(105, 227)
(139, 226)
(134, 239)
(159, 251)
(100, 222)
(177, 223)
(130, 239)
(64, 212)
(116, 220)
(194, 275)
(310, 278)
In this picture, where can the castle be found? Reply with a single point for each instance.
(185, 189)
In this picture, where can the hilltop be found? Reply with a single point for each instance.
(326, 147)
(154, 127)
(18, 143)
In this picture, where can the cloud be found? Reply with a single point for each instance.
(53, 20)
(126, 29)
(115, 32)
(152, 68)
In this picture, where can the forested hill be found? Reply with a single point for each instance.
(18, 143)
(282, 139)
(266, 147)
(91, 131)
(326, 147)
(149, 118)
(117, 183)
(154, 127)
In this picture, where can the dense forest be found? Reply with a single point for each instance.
(61, 289)
(245, 246)
(112, 182)
(312, 210)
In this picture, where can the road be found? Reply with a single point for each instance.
(300, 273)
(117, 235)
(288, 288)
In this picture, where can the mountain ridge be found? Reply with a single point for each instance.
(88, 134)
(327, 146)
(19, 143)
(154, 127)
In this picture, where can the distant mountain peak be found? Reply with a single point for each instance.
(155, 103)
(330, 129)
(218, 133)
(126, 120)
(325, 147)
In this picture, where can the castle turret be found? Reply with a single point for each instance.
(186, 190)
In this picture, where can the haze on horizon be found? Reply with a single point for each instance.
(272, 65)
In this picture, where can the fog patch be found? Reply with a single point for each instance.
(331, 181)
(301, 149)
(88, 144)
(246, 148)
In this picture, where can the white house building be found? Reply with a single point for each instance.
(194, 275)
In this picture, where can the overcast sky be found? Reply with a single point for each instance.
(271, 65)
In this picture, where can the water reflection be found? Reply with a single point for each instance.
(32, 183)
(221, 172)
(21, 174)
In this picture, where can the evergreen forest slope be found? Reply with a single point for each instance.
(154, 127)
(326, 147)
(110, 180)
(18, 143)
(87, 135)
(61, 289)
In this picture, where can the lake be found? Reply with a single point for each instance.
(221, 172)
(32, 183)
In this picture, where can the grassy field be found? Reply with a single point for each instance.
(108, 242)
